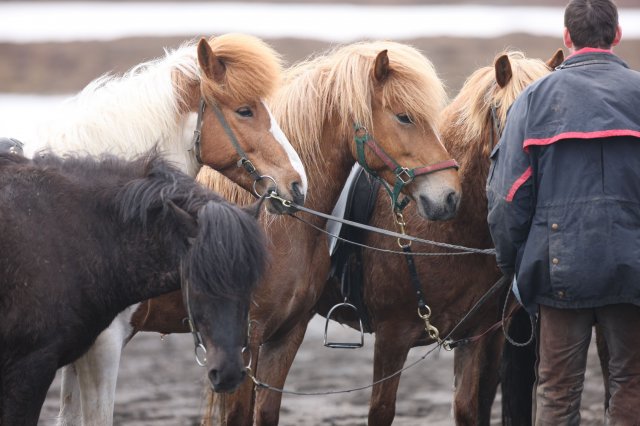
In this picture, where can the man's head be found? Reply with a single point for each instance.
(591, 23)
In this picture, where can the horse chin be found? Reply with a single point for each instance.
(444, 210)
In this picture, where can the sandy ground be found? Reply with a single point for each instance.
(160, 384)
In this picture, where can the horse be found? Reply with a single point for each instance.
(201, 104)
(85, 237)
(393, 91)
(449, 285)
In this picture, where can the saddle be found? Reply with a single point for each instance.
(11, 146)
(356, 203)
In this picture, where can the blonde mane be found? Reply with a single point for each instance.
(480, 92)
(243, 80)
(127, 115)
(339, 84)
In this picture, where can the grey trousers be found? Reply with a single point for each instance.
(563, 340)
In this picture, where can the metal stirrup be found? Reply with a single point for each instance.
(343, 345)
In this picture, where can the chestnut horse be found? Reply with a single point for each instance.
(83, 238)
(451, 285)
(392, 90)
(203, 103)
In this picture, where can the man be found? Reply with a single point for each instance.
(564, 214)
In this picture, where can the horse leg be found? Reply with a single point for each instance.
(517, 373)
(70, 405)
(24, 385)
(276, 358)
(476, 377)
(389, 355)
(98, 371)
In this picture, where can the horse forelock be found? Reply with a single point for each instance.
(253, 69)
(480, 92)
(339, 83)
(229, 255)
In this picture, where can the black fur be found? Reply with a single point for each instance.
(81, 239)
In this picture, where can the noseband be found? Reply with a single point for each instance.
(404, 175)
(243, 162)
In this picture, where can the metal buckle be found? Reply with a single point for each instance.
(407, 173)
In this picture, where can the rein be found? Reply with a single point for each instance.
(243, 162)
(404, 176)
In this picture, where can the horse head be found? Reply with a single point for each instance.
(398, 140)
(238, 135)
(226, 258)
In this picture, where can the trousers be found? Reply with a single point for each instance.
(563, 341)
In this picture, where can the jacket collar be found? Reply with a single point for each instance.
(588, 55)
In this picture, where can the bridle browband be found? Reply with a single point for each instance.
(243, 162)
(404, 175)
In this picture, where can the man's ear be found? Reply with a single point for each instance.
(566, 38)
(618, 36)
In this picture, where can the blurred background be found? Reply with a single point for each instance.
(50, 50)
(51, 47)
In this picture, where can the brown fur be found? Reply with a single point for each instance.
(451, 284)
(312, 107)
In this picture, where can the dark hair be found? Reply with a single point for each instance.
(591, 23)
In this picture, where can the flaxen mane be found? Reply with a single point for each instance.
(339, 84)
(471, 107)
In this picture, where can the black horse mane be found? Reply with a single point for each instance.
(147, 190)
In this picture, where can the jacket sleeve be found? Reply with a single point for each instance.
(510, 190)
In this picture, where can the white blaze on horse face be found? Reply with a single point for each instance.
(294, 158)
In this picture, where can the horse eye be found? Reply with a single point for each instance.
(244, 112)
(404, 118)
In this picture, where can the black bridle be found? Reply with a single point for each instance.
(243, 162)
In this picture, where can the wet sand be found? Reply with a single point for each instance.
(160, 384)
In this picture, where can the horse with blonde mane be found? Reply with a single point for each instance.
(451, 284)
(201, 104)
(324, 106)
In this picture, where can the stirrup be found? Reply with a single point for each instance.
(343, 345)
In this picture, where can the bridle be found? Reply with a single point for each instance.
(200, 350)
(243, 162)
(404, 175)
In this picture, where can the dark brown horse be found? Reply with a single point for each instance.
(83, 238)
(451, 285)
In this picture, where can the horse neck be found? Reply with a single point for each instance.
(127, 117)
(328, 175)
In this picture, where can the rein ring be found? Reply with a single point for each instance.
(255, 190)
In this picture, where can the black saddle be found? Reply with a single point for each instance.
(11, 146)
(356, 203)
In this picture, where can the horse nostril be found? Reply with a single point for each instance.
(213, 376)
(452, 201)
(298, 196)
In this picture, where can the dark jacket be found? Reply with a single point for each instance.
(564, 186)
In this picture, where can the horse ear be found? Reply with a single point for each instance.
(381, 67)
(556, 59)
(188, 224)
(503, 70)
(212, 66)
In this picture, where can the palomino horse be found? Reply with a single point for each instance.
(392, 90)
(82, 239)
(203, 103)
(451, 285)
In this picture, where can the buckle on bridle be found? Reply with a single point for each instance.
(404, 172)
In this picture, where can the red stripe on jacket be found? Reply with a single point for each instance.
(518, 183)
